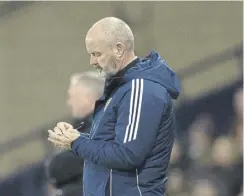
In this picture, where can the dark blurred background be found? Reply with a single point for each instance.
(42, 44)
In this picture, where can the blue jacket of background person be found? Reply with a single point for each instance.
(128, 150)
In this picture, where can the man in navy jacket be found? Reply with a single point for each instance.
(128, 149)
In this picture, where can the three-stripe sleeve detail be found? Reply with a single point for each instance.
(135, 110)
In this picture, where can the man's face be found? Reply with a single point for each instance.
(102, 56)
(79, 101)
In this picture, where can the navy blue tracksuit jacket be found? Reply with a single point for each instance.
(128, 149)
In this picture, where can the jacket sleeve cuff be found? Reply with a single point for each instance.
(76, 143)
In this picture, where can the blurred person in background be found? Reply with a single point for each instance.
(223, 165)
(198, 146)
(216, 164)
(64, 174)
(27, 182)
(84, 89)
(227, 151)
(176, 155)
(63, 179)
(237, 136)
(177, 178)
(204, 187)
(200, 140)
(176, 182)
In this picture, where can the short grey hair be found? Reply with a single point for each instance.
(90, 79)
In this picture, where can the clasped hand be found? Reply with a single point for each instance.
(63, 135)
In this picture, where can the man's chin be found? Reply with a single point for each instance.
(104, 74)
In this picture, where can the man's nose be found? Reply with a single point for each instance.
(93, 60)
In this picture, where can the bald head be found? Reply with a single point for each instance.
(112, 30)
(110, 42)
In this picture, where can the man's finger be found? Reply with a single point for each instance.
(73, 131)
(54, 141)
(55, 136)
(64, 126)
(63, 141)
(68, 126)
(58, 130)
(61, 126)
(58, 143)
(72, 134)
(50, 132)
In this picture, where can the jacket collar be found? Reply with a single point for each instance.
(113, 82)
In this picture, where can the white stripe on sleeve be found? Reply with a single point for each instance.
(130, 115)
(135, 110)
(139, 111)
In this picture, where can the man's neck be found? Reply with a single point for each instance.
(127, 60)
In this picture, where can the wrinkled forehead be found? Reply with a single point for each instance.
(96, 45)
(91, 44)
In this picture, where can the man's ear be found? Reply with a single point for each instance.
(120, 49)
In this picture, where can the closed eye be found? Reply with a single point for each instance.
(96, 54)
